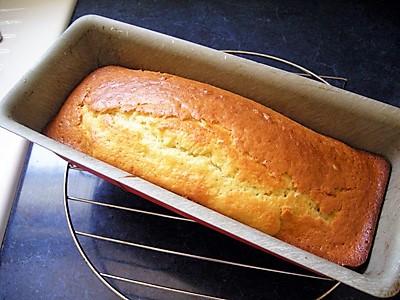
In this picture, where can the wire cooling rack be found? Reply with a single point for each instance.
(142, 251)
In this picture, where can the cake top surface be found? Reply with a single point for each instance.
(340, 188)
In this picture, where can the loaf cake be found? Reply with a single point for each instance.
(230, 154)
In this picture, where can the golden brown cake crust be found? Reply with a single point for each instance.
(231, 154)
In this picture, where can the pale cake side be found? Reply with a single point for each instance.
(230, 154)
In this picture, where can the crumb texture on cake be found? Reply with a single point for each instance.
(230, 154)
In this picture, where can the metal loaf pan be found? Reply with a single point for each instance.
(93, 41)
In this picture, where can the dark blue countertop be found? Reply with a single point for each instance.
(357, 40)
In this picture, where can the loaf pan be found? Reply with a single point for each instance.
(92, 42)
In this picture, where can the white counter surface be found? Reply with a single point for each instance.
(28, 28)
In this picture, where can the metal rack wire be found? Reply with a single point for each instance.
(326, 79)
(105, 277)
(117, 282)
